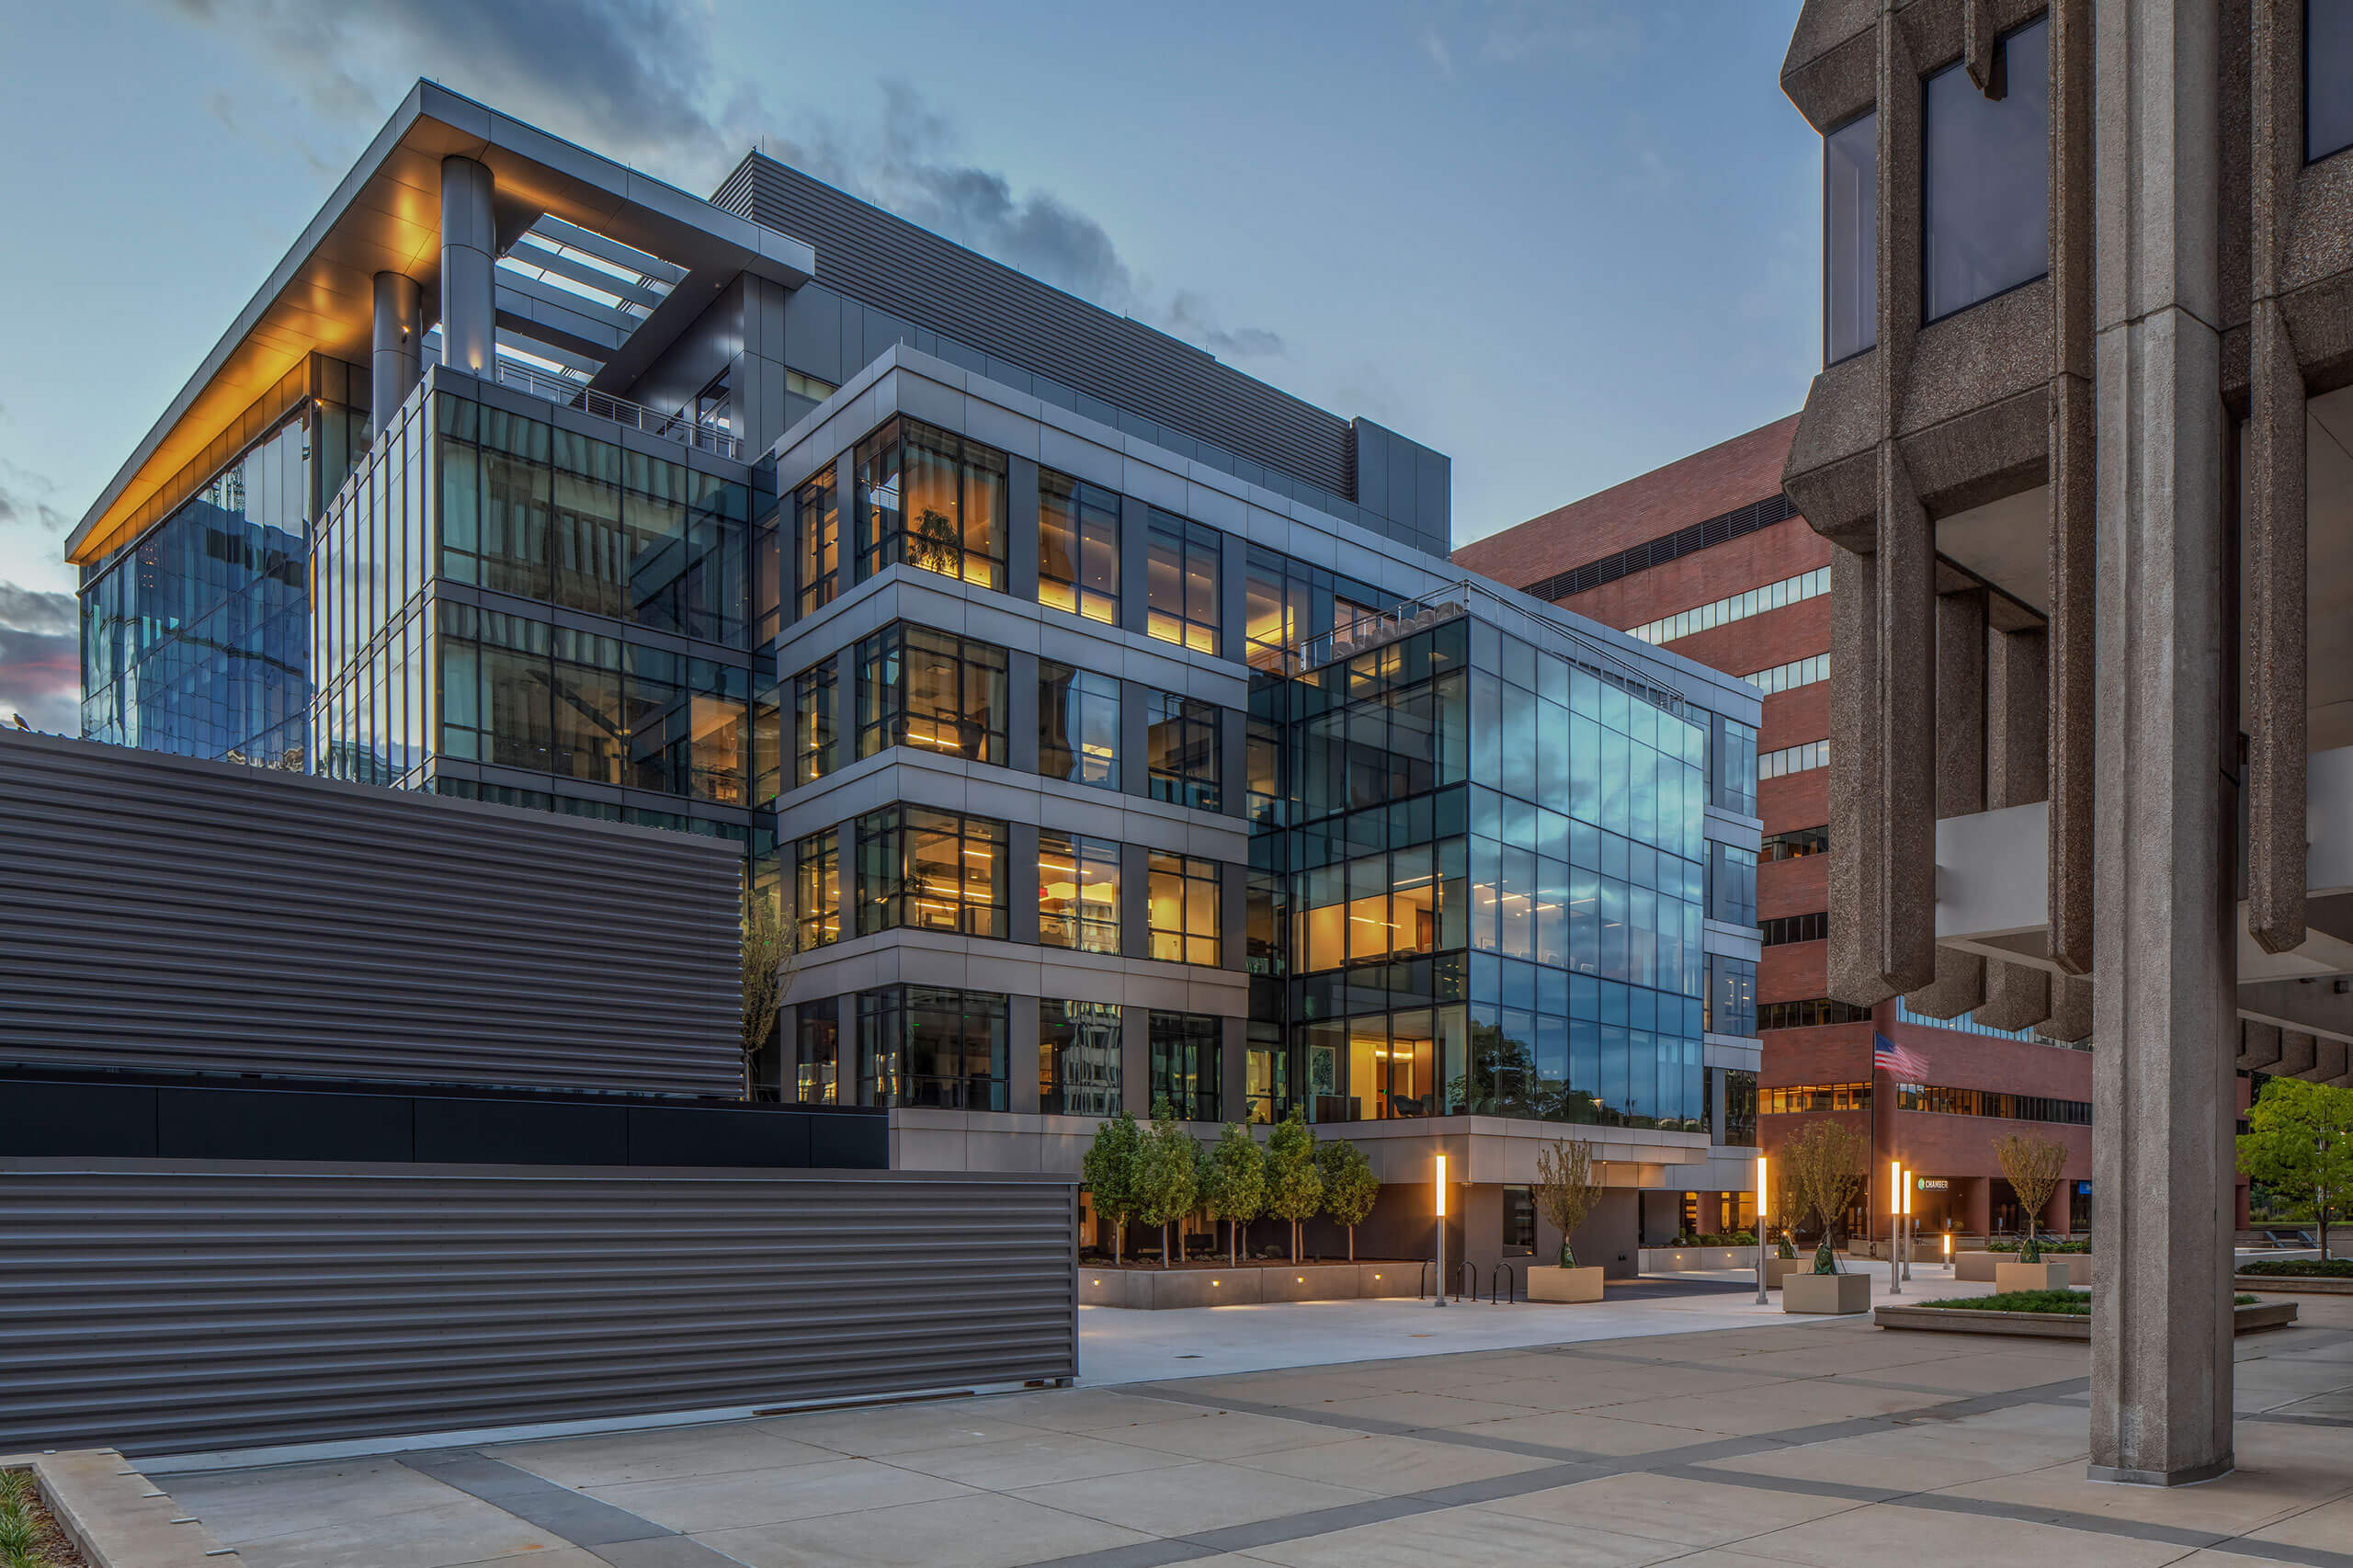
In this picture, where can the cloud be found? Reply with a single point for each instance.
(644, 80)
(24, 500)
(1519, 32)
(41, 674)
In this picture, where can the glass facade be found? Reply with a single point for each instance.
(932, 499)
(931, 689)
(196, 639)
(1079, 893)
(2328, 78)
(1185, 1052)
(1078, 1058)
(1986, 176)
(932, 1045)
(1078, 548)
(1454, 945)
(1079, 725)
(1850, 238)
(926, 871)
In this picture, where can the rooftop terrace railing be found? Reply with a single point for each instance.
(621, 410)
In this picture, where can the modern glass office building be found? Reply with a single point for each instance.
(1109, 727)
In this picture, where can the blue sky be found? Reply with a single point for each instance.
(1563, 241)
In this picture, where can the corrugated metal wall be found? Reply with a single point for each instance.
(168, 1307)
(166, 913)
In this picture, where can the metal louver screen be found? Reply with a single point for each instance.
(1749, 519)
(174, 1306)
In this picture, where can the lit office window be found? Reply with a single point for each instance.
(817, 541)
(1078, 548)
(1850, 238)
(815, 751)
(1182, 574)
(2328, 78)
(928, 690)
(930, 499)
(1079, 893)
(1987, 176)
(1079, 725)
(817, 888)
(1185, 909)
(1078, 1058)
(817, 1052)
(1180, 735)
(930, 870)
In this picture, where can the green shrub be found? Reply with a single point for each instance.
(2300, 1267)
(16, 1535)
(2066, 1304)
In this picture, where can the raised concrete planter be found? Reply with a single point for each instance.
(1150, 1290)
(1777, 1269)
(2049, 1325)
(1977, 1267)
(2050, 1274)
(2289, 1284)
(1683, 1260)
(1550, 1282)
(1826, 1293)
(116, 1517)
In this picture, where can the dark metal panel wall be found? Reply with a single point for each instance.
(160, 911)
(174, 1306)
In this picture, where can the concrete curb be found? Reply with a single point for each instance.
(2049, 1325)
(116, 1518)
(2289, 1284)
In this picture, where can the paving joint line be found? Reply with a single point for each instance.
(572, 1517)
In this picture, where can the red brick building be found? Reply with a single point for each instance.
(1705, 556)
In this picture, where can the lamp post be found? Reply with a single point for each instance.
(1947, 1252)
(1911, 1180)
(1894, 1224)
(1439, 1184)
(1760, 1230)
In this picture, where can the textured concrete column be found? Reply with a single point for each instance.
(2018, 996)
(2070, 1010)
(1960, 984)
(2165, 833)
(1858, 866)
(398, 356)
(469, 253)
(2072, 497)
(1907, 725)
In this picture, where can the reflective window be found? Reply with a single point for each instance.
(1731, 996)
(1986, 176)
(1180, 735)
(2328, 77)
(1079, 725)
(1078, 548)
(817, 750)
(1736, 767)
(1795, 844)
(942, 693)
(817, 543)
(930, 499)
(929, 1045)
(1185, 909)
(817, 1052)
(1740, 1108)
(817, 889)
(929, 871)
(1184, 1055)
(1732, 884)
(1079, 893)
(1183, 570)
(1850, 238)
(1078, 1058)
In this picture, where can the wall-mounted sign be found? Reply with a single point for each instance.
(2084, 1188)
(1933, 1184)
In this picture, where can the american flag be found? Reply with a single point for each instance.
(1889, 1057)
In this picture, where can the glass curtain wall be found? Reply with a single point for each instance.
(931, 1045)
(1078, 1058)
(931, 499)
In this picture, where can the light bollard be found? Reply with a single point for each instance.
(1911, 1180)
(1760, 1231)
(1439, 1183)
(1894, 1226)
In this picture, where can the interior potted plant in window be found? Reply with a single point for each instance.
(1565, 1193)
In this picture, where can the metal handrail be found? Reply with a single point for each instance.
(619, 410)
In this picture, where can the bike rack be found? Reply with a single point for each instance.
(1509, 1293)
(1468, 1271)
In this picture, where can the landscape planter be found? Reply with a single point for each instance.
(1826, 1294)
(1977, 1267)
(1682, 1260)
(2294, 1285)
(1779, 1268)
(2052, 1325)
(2050, 1274)
(1250, 1284)
(1550, 1282)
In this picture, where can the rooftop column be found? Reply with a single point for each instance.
(400, 342)
(469, 252)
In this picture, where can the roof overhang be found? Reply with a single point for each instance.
(385, 216)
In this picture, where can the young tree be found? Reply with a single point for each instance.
(2031, 1165)
(2299, 1145)
(1294, 1184)
(1110, 1169)
(1350, 1186)
(1233, 1184)
(1825, 1162)
(1565, 1192)
(768, 959)
(1167, 1173)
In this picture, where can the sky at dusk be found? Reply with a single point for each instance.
(1563, 241)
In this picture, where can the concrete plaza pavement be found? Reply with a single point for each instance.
(1715, 1444)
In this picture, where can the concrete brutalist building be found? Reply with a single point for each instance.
(2081, 448)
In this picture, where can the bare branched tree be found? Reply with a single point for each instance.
(2031, 1165)
(1565, 1192)
(769, 959)
(1825, 1165)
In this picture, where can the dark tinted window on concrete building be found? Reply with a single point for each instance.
(1986, 178)
(2328, 77)
(1850, 238)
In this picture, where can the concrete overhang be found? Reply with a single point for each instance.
(385, 216)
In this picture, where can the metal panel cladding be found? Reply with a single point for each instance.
(161, 912)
